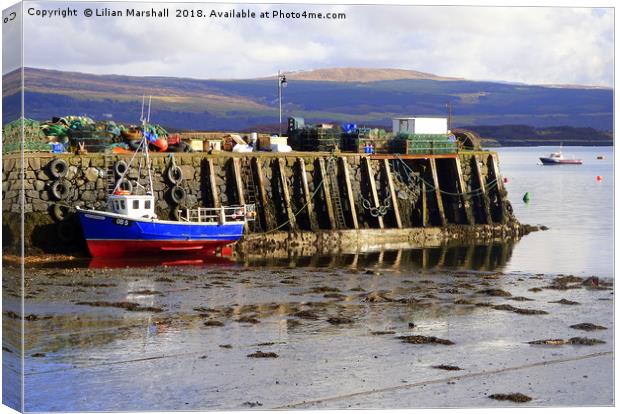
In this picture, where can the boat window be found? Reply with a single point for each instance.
(115, 205)
(147, 204)
(136, 204)
(122, 204)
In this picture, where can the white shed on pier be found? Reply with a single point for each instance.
(420, 125)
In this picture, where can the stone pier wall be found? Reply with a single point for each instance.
(293, 192)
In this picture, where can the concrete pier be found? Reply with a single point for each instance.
(293, 192)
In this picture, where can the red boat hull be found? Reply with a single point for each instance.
(116, 248)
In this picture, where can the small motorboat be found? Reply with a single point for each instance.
(129, 226)
(557, 158)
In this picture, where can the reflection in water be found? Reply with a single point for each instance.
(120, 262)
(473, 257)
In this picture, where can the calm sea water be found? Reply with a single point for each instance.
(569, 200)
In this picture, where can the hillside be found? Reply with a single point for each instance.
(366, 97)
(525, 136)
(360, 75)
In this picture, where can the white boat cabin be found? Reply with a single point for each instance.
(139, 206)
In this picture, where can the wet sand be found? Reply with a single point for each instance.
(235, 337)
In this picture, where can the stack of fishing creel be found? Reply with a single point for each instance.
(33, 137)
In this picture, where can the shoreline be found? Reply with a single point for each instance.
(374, 334)
(284, 244)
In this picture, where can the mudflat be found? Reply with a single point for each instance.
(239, 337)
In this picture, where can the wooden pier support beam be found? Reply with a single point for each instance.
(500, 188)
(442, 214)
(424, 196)
(212, 185)
(238, 180)
(326, 195)
(469, 214)
(286, 194)
(393, 198)
(350, 198)
(307, 196)
(483, 193)
(373, 188)
(262, 195)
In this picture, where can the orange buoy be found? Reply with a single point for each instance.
(599, 178)
(161, 144)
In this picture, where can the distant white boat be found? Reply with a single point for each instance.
(557, 158)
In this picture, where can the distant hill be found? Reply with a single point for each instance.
(361, 75)
(362, 96)
(524, 136)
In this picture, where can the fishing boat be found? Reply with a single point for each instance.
(557, 158)
(129, 226)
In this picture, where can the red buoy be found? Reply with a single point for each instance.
(505, 179)
(599, 178)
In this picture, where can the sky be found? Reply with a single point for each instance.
(534, 45)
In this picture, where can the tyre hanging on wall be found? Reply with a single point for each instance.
(60, 212)
(125, 185)
(120, 167)
(58, 168)
(175, 174)
(178, 194)
(60, 189)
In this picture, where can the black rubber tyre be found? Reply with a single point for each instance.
(59, 212)
(58, 168)
(120, 167)
(175, 174)
(178, 194)
(60, 189)
(66, 231)
(126, 185)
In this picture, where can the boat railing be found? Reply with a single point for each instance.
(220, 215)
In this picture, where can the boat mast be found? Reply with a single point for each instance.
(145, 144)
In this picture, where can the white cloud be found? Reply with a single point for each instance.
(12, 35)
(521, 44)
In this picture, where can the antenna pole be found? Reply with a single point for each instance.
(146, 149)
(148, 117)
(142, 112)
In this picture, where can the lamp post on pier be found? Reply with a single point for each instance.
(281, 84)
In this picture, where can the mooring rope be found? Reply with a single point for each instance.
(302, 208)
(431, 188)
